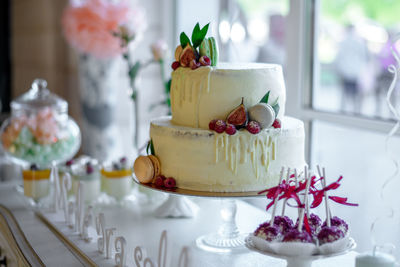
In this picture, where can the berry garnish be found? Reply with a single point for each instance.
(69, 162)
(194, 65)
(220, 126)
(170, 182)
(211, 125)
(89, 168)
(175, 65)
(230, 129)
(123, 160)
(253, 127)
(277, 124)
(34, 167)
(116, 166)
(205, 61)
(159, 181)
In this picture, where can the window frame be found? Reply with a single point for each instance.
(303, 73)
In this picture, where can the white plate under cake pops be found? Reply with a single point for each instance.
(254, 243)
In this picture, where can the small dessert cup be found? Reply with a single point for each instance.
(89, 175)
(36, 183)
(117, 179)
(117, 183)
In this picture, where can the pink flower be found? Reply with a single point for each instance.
(89, 26)
(159, 50)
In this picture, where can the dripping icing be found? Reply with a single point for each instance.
(187, 87)
(238, 149)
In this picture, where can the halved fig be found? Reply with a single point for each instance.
(187, 55)
(238, 116)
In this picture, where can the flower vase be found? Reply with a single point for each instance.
(100, 80)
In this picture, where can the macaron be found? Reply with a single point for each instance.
(156, 165)
(143, 168)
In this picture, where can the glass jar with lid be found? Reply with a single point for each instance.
(39, 130)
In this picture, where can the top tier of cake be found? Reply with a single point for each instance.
(201, 95)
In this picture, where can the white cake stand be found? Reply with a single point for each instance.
(300, 261)
(228, 238)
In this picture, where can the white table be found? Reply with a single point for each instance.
(139, 226)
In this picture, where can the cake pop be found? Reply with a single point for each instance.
(284, 223)
(314, 221)
(339, 223)
(267, 232)
(295, 235)
(329, 234)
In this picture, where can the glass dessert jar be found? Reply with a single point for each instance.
(89, 174)
(36, 182)
(39, 129)
(117, 179)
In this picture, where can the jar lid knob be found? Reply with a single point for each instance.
(39, 84)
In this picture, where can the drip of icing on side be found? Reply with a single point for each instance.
(236, 149)
(187, 87)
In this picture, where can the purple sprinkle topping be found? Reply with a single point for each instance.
(341, 224)
(329, 234)
(295, 236)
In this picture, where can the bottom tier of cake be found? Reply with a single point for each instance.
(204, 160)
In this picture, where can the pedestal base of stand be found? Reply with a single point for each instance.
(217, 243)
(298, 262)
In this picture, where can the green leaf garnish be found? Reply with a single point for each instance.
(276, 108)
(265, 98)
(198, 34)
(150, 148)
(184, 40)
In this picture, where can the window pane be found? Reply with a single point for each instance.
(353, 49)
(253, 30)
(360, 157)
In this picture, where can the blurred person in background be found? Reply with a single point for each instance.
(350, 63)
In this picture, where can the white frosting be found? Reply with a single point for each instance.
(36, 189)
(118, 187)
(207, 161)
(207, 93)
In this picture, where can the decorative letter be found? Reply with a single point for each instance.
(109, 233)
(100, 220)
(120, 257)
(87, 221)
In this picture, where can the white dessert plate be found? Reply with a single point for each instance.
(188, 192)
(350, 246)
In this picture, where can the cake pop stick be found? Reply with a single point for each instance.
(327, 209)
(276, 198)
(301, 218)
(286, 199)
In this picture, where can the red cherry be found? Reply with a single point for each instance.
(253, 127)
(175, 65)
(220, 126)
(170, 182)
(230, 129)
(211, 125)
(277, 124)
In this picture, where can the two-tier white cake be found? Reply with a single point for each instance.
(204, 160)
